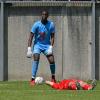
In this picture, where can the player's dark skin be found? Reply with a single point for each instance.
(44, 21)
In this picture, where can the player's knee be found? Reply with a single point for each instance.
(51, 59)
(52, 62)
(36, 57)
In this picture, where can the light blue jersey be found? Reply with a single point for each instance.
(42, 32)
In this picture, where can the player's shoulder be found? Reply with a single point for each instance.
(51, 22)
(37, 22)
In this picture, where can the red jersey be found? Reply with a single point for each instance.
(65, 84)
(70, 84)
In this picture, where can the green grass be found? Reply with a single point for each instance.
(20, 90)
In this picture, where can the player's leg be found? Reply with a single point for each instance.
(52, 66)
(86, 86)
(49, 54)
(35, 62)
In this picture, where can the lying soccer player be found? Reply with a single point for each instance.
(72, 84)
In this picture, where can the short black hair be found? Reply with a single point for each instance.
(45, 11)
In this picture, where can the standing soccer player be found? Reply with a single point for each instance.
(43, 32)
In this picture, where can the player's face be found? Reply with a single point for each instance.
(44, 15)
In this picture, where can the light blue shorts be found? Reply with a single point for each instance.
(38, 48)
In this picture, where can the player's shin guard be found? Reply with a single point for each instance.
(52, 68)
(34, 68)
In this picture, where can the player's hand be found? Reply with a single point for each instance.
(29, 52)
(50, 49)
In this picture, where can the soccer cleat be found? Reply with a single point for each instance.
(78, 85)
(53, 80)
(32, 82)
(93, 83)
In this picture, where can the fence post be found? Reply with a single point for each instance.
(93, 43)
(2, 42)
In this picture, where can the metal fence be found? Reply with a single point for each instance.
(49, 0)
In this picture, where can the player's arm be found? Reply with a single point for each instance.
(52, 34)
(30, 39)
(50, 49)
(33, 30)
(52, 38)
(29, 51)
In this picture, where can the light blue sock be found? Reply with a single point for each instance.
(52, 68)
(34, 68)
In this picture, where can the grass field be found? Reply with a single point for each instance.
(19, 90)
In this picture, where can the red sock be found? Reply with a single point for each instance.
(87, 87)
